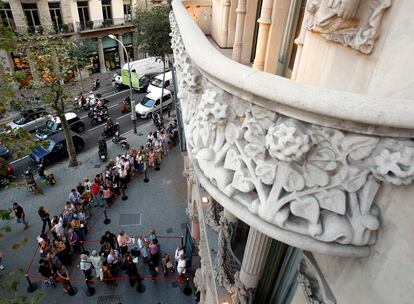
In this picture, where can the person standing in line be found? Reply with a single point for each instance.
(86, 267)
(123, 241)
(131, 271)
(96, 261)
(20, 216)
(45, 217)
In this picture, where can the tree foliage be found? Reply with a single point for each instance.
(152, 29)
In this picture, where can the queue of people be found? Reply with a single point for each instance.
(70, 228)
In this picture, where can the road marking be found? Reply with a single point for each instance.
(19, 159)
(123, 116)
(82, 117)
(114, 94)
(94, 128)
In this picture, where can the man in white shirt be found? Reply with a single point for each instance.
(182, 264)
(113, 260)
(86, 267)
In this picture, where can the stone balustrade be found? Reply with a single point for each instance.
(300, 164)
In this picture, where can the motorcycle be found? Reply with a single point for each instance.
(126, 106)
(102, 150)
(96, 84)
(119, 140)
(99, 117)
(28, 176)
(111, 131)
(156, 119)
(45, 174)
(85, 102)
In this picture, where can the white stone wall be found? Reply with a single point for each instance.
(117, 7)
(95, 10)
(385, 72)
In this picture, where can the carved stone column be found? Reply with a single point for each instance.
(225, 21)
(18, 14)
(238, 38)
(264, 23)
(44, 14)
(121, 52)
(101, 55)
(254, 258)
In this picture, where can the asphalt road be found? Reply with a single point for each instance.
(92, 134)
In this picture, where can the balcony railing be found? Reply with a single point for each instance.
(53, 29)
(101, 24)
(300, 164)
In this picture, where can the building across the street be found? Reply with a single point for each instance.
(93, 20)
(298, 121)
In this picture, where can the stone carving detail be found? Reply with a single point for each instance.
(313, 283)
(239, 294)
(353, 23)
(311, 180)
(212, 215)
(226, 264)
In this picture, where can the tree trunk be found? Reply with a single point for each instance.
(73, 161)
(162, 89)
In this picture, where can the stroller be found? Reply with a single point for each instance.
(102, 149)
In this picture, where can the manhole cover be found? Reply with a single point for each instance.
(97, 166)
(112, 299)
(140, 134)
(169, 230)
(174, 284)
(130, 219)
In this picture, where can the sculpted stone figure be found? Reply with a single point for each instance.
(350, 22)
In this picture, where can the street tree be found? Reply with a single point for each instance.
(152, 29)
(54, 63)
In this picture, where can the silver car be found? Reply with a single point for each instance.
(29, 120)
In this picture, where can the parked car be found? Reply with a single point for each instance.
(151, 103)
(29, 120)
(4, 151)
(156, 82)
(53, 125)
(6, 173)
(56, 148)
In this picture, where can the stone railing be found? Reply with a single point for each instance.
(301, 164)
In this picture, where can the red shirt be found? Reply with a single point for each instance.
(95, 188)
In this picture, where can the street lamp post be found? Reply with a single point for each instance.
(133, 113)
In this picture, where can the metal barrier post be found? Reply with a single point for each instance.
(106, 220)
(32, 286)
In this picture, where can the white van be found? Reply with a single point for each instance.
(151, 103)
(156, 83)
(141, 71)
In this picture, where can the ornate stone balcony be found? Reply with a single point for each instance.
(301, 164)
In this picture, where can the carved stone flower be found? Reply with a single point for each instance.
(287, 142)
(254, 132)
(395, 167)
(211, 109)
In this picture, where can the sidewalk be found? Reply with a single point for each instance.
(159, 204)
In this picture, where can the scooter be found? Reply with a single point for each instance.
(119, 140)
(109, 132)
(96, 84)
(45, 174)
(99, 117)
(102, 150)
(126, 106)
(28, 175)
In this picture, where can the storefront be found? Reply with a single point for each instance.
(127, 40)
(111, 56)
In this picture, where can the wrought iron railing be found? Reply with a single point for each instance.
(99, 24)
(53, 29)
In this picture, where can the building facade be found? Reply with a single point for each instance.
(93, 20)
(300, 155)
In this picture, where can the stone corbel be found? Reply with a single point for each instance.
(352, 23)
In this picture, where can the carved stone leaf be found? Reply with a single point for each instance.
(266, 171)
(205, 154)
(231, 161)
(231, 132)
(294, 182)
(336, 228)
(359, 147)
(307, 208)
(352, 178)
(333, 200)
(315, 176)
(241, 183)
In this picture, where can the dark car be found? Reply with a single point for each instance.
(56, 148)
(4, 151)
(54, 125)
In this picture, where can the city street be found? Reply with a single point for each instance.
(92, 134)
